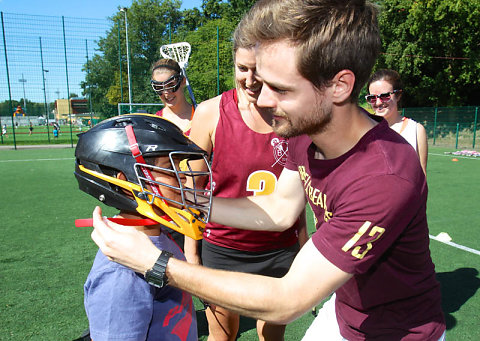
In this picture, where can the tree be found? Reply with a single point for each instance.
(153, 23)
(219, 9)
(34, 108)
(148, 25)
(202, 70)
(434, 45)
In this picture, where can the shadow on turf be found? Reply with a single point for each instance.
(457, 288)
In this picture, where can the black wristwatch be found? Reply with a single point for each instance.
(156, 275)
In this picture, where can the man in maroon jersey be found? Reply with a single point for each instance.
(362, 180)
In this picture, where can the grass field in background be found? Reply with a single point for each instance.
(44, 259)
(41, 135)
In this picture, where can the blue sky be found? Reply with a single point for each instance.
(81, 8)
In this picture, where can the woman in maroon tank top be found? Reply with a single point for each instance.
(248, 159)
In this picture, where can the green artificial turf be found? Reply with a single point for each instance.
(44, 259)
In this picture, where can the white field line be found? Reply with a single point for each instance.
(458, 246)
(28, 160)
(456, 156)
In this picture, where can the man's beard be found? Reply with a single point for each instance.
(308, 124)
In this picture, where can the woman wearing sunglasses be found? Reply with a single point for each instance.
(169, 83)
(384, 94)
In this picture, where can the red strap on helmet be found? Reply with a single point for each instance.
(137, 154)
(88, 222)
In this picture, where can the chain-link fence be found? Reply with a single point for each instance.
(44, 60)
(450, 127)
(44, 63)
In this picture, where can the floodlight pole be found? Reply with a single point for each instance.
(23, 81)
(124, 10)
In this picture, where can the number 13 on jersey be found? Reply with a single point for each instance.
(356, 252)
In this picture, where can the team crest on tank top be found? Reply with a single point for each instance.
(280, 151)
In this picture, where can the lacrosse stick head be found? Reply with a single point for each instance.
(180, 52)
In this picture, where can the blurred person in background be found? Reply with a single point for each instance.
(385, 91)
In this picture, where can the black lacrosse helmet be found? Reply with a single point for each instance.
(105, 150)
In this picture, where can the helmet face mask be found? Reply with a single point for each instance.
(154, 188)
(173, 192)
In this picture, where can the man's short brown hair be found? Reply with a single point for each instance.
(330, 36)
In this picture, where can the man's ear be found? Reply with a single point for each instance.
(121, 176)
(343, 83)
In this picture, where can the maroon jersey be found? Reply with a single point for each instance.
(245, 163)
(370, 210)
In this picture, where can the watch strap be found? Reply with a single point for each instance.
(156, 275)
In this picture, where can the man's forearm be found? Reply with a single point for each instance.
(252, 213)
(250, 295)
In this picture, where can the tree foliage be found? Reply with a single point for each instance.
(32, 109)
(434, 45)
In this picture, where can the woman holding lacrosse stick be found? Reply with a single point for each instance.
(385, 91)
(248, 159)
(169, 84)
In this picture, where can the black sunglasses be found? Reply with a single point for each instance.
(172, 84)
(385, 97)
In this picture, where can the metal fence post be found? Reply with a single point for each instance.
(88, 86)
(456, 136)
(475, 128)
(120, 62)
(68, 86)
(435, 126)
(44, 89)
(218, 64)
(8, 81)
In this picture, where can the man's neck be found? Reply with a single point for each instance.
(348, 125)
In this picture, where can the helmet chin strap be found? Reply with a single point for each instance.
(88, 222)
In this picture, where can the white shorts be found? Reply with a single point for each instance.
(326, 325)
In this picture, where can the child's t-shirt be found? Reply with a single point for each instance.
(121, 305)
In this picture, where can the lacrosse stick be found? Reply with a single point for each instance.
(180, 52)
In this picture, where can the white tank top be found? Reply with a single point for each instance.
(408, 129)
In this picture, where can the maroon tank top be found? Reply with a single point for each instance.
(245, 163)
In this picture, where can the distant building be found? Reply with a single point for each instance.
(76, 107)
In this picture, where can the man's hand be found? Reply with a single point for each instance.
(124, 244)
